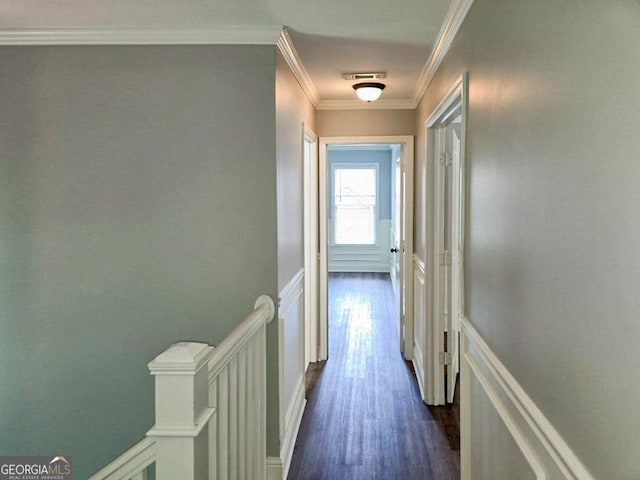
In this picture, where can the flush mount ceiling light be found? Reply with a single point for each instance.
(369, 91)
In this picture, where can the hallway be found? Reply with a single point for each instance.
(364, 418)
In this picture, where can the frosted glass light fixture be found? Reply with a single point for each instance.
(369, 91)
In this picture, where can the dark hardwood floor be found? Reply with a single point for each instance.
(364, 418)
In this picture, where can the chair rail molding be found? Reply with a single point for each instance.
(545, 451)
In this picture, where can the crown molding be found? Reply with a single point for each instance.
(452, 22)
(285, 45)
(228, 35)
(382, 104)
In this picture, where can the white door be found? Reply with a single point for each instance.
(396, 199)
(445, 243)
(442, 267)
(405, 253)
(455, 269)
(448, 270)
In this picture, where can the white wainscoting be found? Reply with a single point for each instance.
(504, 434)
(291, 371)
(362, 258)
(419, 321)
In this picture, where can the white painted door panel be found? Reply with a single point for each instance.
(455, 270)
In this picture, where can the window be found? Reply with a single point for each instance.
(354, 199)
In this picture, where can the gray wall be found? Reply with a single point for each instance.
(293, 109)
(552, 259)
(380, 157)
(137, 208)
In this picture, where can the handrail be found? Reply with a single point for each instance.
(190, 360)
(264, 311)
(132, 462)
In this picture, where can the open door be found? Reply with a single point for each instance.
(405, 253)
(449, 242)
(445, 244)
(394, 267)
(455, 269)
(403, 234)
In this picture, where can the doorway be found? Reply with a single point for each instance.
(348, 191)
(445, 275)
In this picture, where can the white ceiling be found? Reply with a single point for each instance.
(331, 37)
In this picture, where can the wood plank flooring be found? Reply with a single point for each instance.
(364, 418)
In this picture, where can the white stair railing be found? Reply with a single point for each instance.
(210, 410)
(134, 464)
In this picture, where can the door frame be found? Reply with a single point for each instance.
(453, 102)
(310, 227)
(324, 142)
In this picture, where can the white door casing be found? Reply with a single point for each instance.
(310, 172)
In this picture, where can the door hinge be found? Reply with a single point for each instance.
(445, 358)
(445, 159)
(445, 258)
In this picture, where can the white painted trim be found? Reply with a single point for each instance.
(288, 51)
(290, 293)
(130, 463)
(408, 220)
(452, 23)
(287, 298)
(382, 104)
(227, 35)
(310, 234)
(449, 99)
(290, 414)
(274, 468)
(541, 444)
(201, 422)
(293, 418)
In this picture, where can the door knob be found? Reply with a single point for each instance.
(394, 250)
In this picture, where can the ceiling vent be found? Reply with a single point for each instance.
(364, 76)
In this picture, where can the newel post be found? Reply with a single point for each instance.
(182, 411)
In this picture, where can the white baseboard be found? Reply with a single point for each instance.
(418, 363)
(543, 452)
(292, 425)
(274, 468)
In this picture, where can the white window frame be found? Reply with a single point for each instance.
(376, 208)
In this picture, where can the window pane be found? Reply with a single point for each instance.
(355, 205)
